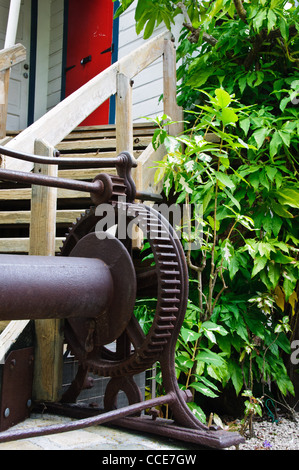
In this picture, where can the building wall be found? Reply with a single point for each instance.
(148, 85)
(55, 53)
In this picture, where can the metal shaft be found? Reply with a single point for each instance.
(51, 181)
(41, 287)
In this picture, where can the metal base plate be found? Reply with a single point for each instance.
(16, 387)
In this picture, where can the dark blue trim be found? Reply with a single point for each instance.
(115, 37)
(32, 63)
(64, 48)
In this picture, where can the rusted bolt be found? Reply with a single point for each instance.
(31, 360)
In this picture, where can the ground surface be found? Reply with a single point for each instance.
(268, 435)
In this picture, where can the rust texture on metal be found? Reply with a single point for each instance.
(93, 286)
(16, 389)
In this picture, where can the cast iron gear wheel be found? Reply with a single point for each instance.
(135, 351)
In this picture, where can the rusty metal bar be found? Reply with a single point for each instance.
(87, 162)
(44, 287)
(43, 180)
(86, 422)
(96, 187)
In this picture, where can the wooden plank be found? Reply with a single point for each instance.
(23, 217)
(99, 155)
(9, 336)
(12, 56)
(4, 82)
(133, 63)
(3, 157)
(139, 141)
(88, 174)
(43, 208)
(138, 129)
(48, 362)
(69, 113)
(145, 171)
(124, 121)
(25, 194)
(21, 245)
(171, 107)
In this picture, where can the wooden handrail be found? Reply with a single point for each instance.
(12, 56)
(56, 124)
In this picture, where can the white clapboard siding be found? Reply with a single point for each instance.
(55, 54)
(148, 85)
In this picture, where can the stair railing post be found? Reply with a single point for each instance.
(124, 120)
(49, 338)
(171, 107)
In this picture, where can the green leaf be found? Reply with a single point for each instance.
(265, 249)
(259, 18)
(189, 335)
(273, 274)
(271, 19)
(242, 82)
(171, 144)
(148, 31)
(245, 124)
(200, 387)
(271, 172)
(282, 259)
(284, 103)
(285, 137)
(209, 357)
(232, 198)
(259, 264)
(236, 376)
(288, 197)
(208, 325)
(197, 412)
(184, 362)
(259, 136)
(281, 211)
(159, 174)
(223, 98)
(284, 28)
(224, 179)
(275, 144)
(228, 116)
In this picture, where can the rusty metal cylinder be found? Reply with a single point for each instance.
(44, 287)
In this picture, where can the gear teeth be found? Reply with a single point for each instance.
(169, 270)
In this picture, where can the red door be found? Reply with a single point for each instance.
(89, 48)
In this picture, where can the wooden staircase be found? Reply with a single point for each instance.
(96, 141)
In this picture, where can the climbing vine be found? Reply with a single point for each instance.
(236, 166)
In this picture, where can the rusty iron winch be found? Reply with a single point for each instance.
(93, 285)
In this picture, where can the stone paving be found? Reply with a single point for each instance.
(91, 438)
